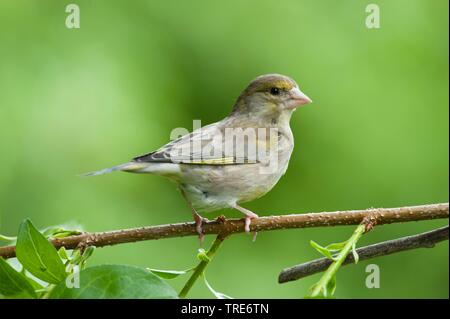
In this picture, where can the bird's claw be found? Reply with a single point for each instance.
(201, 238)
(198, 227)
(249, 215)
(248, 221)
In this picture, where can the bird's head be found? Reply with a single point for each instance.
(270, 94)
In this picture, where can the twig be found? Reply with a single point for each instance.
(328, 278)
(200, 268)
(423, 240)
(231, 226)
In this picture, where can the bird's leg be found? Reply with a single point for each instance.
(197, 218)
(249, 215)
(198, 225)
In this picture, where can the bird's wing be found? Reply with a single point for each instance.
(204, 146)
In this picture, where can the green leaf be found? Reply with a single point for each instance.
(218, 295)
(61, 231)
(7, 238)
(321, 249)
(336, 246)
(37, 255)
(75, 258)
(325, 291)
(331, 287)
(116, 282)
(202, 255)
(62, 252)
(66, 233)
(36, 286)
(13, 283)
(87, 253)
(168, 274)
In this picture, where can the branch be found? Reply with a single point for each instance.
(232, 226)
(200, 268)
(327, 283)
(423, 240)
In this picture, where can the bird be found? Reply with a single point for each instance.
(235, 160)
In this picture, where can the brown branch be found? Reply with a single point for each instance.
(231, 226)
(423, 240)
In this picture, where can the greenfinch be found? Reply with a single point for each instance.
(235, 160)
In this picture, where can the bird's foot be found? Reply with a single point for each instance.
(255, 233)
(248, 220)
(249, 215)
(198, 226)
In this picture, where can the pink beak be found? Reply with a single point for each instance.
(297, 98)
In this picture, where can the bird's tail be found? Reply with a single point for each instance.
(127, 167)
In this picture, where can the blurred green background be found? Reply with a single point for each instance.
(73, 101)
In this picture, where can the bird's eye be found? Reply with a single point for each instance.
(275, 91)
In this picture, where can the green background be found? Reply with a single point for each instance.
(73, 101)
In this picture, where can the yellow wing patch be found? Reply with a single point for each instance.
(218, 161)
